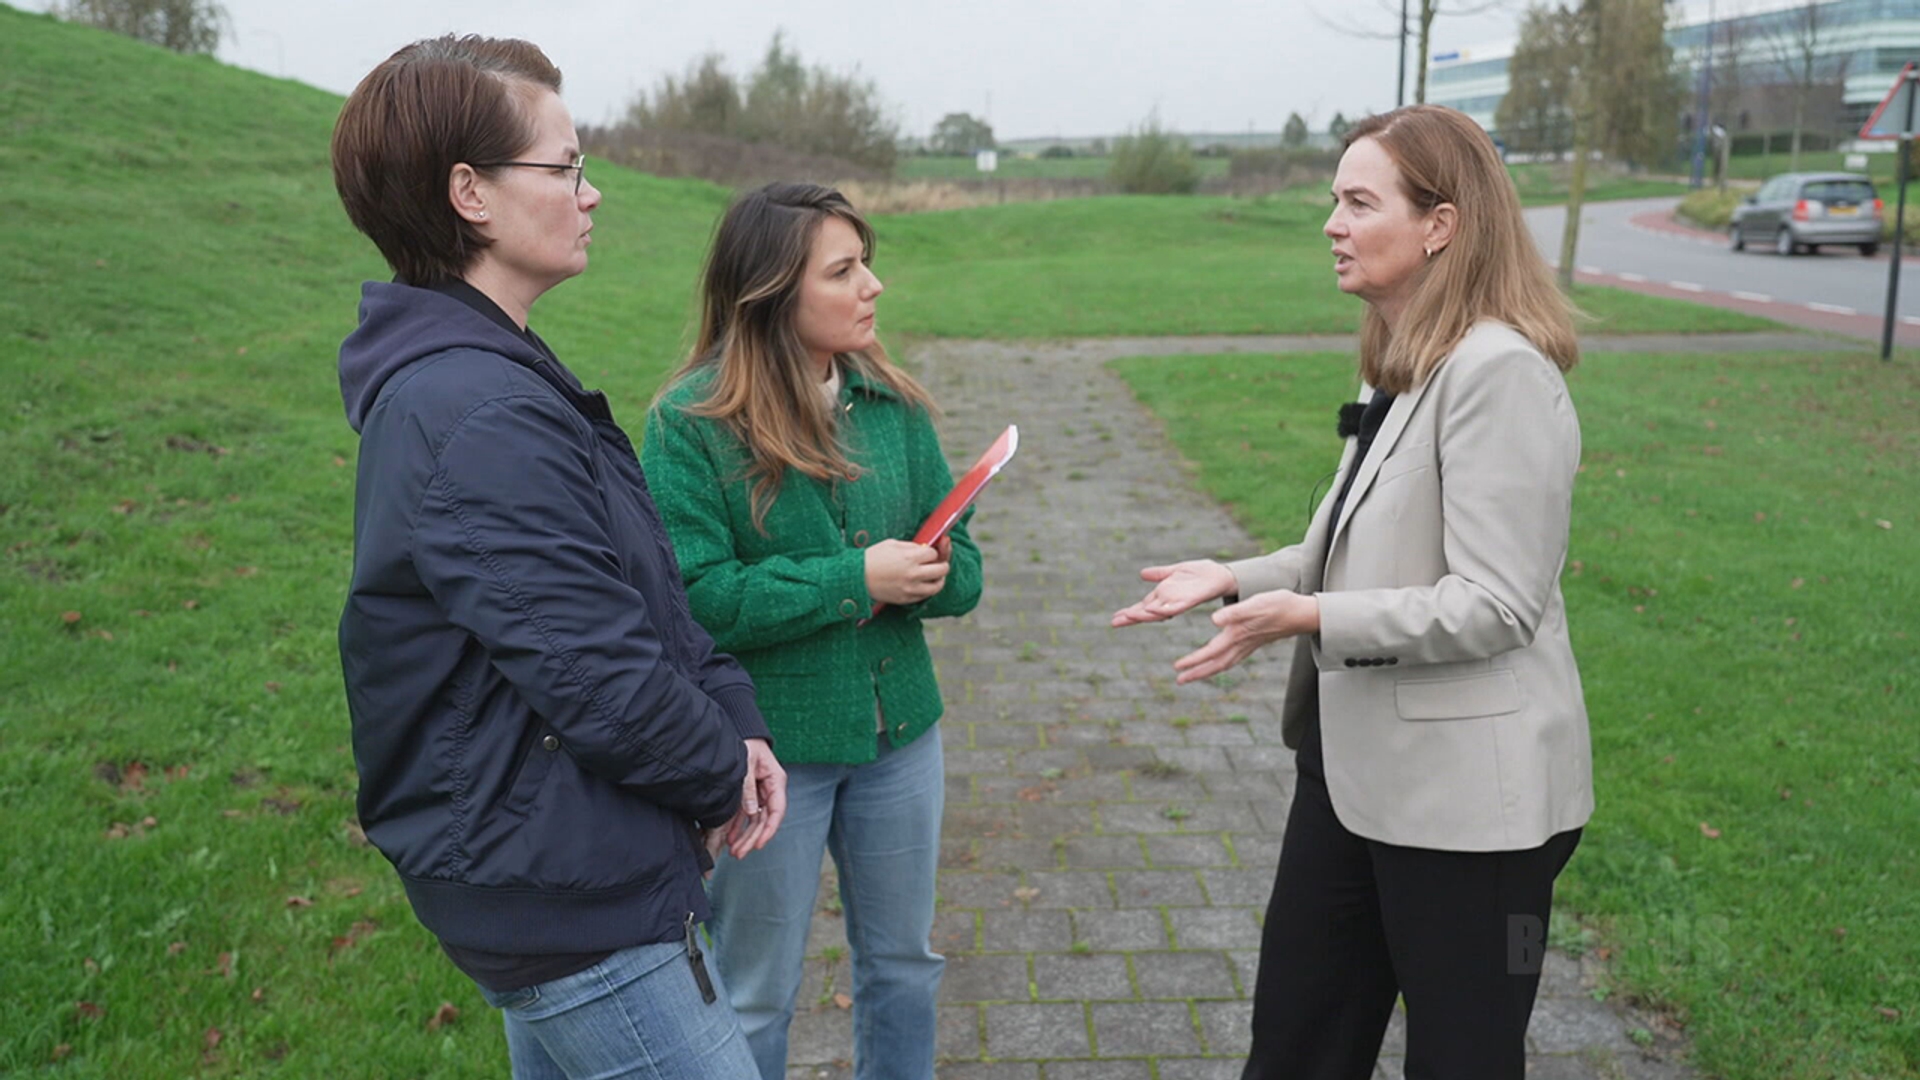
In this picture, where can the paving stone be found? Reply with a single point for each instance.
(1243, 785)
(1564, 1067)
(1258, 851)
(1105, 851)
(958, 1032)
(954, 931)
(1091, 977)
(836, 1071)
(1572, 1024)
(1005, 854)
(1227, 1026)
(1044, 821)
(1239, 888)
(1099, 1070)
(1037, 1031)
(1181, 788)
(976, 761)
(1214, 928)
(1219, 734)
(1014, 736)
(1141, 928)
(1086, 889)
(1201, 1068)
(972, 977)
(978, 889)
(988, 1070)
(1116, 757)
(1152, 888)
(1025, 931)
(1196, 759)
(820, 1036)
(1184, 975)
(1153, 1027)
(1187, 851)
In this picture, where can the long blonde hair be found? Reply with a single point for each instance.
(763, 385)
(1490, 269)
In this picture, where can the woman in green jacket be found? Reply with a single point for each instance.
(790, 459)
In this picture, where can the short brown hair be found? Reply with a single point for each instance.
(430, 106)
(1490, 270)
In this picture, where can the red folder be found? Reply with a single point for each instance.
(965, 490)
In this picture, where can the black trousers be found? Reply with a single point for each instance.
(1353, 923)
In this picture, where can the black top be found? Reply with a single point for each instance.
(499, 971)
(1371, 416)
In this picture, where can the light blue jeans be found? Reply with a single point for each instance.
(881, 821)
(637, 1014)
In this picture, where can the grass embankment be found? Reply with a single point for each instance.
(1741, 582)
(186, 891)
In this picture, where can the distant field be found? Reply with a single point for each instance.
(1021, 168)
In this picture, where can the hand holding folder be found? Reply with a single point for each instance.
(965, 490)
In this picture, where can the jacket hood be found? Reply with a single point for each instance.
(400, 324)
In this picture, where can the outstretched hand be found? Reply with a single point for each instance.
(1177, 588)
(1255, 621)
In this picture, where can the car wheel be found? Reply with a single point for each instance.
(1734, 240)
(1869, 250)
(1783, 242)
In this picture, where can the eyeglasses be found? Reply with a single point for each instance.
(579, 168)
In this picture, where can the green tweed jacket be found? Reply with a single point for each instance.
(789, 603)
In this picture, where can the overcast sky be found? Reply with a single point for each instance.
(1035, 67)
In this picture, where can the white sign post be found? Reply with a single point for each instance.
(986, 160)
(1894, 120)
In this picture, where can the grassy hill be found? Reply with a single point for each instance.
(185, 890)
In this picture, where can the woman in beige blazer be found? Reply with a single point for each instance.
(1444, 765)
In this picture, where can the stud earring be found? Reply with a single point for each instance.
(1429, 251)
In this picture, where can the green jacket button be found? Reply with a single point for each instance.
(848, 608)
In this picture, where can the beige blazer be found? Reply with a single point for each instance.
(1451, 710)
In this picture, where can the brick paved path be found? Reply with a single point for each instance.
(1110, 839)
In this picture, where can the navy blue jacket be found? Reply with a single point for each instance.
(540, 726)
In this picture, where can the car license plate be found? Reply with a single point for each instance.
(1842, 211)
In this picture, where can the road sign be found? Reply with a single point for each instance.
(986, 160)
(1894, 118)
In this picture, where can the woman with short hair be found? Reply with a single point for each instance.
(1445, 771)
(793, 459)
(541, 730)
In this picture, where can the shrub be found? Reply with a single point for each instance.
(1709, 208)
(1151, 160)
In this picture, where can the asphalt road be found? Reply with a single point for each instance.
(1836, 290)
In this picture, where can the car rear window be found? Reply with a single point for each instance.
(1839, 191)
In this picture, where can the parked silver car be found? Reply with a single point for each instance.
(1797, 212)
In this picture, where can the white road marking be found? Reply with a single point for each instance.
(1832, 309)
(1687, 286)
(1753, 297)
(1632, 277)
(1590, 270)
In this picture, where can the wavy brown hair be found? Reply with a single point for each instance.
(1490, 270)
(764, 388)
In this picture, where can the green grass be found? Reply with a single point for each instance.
(1160, 265)
(1745, 628)
(175, 508)
(1546, 185)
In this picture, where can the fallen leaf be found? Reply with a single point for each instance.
(1034, 793)
(92, 967)
(299, 902)
(134, 775)
(61, 1051)
(1786, 794)
(339, 462)
(842, 1000)
(1709, 831)
(1759, 515)
(446, 1014)
(176, 948)
(1796, 583)
(1887, 1013)
(356, 835)
(259, 994)
(69, 617)
(1884, 523)
(125, 506)
(245, 571)
(1839, 933)
(211, 1039)
(88, 1010)
(222, 967)
(190, 604)
(149, 822)
(1025, 893)
(273, 688)
(117, 831)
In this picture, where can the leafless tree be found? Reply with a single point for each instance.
(1794, 40)
(1421, 14)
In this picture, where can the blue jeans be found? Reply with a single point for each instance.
(881, 821)
(637, 1014)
